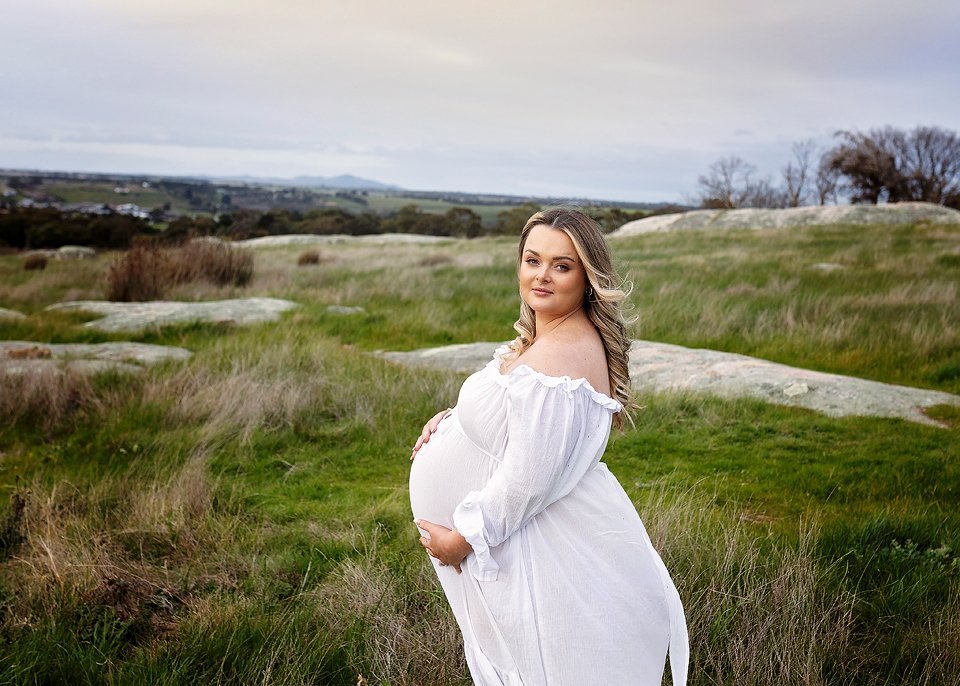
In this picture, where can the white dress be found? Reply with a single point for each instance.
(563, 586)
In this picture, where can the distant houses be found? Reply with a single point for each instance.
(97, 209)
(132, 210)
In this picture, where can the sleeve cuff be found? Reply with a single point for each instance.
(468, 518)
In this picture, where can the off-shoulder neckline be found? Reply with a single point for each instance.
(569, 384)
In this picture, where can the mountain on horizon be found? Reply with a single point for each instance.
(344, 181)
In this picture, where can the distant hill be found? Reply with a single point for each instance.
(344, 181)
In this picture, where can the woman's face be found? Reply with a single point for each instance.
(552, 278)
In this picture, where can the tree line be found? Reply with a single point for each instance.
(36, 228)
(881, 165)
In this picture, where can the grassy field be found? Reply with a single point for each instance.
(243, 518)
(385, 203)
(97, 192)
(149, 198)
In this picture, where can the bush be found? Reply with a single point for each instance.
(141, 274)
(217, 263)
(309, 257)
(35, 261)
(147, 272)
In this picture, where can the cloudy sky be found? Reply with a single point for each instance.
(627, 100)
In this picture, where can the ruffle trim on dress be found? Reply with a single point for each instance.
(566, 383)
(468, 520)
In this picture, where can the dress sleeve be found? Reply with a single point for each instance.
(556, 431)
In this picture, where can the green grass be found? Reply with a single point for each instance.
(887, 314)
(147, 198)
(384, 203)
(243, 517)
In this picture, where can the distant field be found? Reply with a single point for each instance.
(243, 517)
(150, 198)
(147, 198)
(384, 204)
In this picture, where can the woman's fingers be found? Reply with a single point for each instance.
(429, 429)
(431, 426)
(435, 534)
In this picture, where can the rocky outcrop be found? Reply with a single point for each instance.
(75, 252)
(665, 367)
(24, 357)
(129, 317)
(893, 213)
(311, 239)
(11, 314)
(67, 252)
(345, 309)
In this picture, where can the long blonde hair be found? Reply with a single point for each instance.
(602, 306)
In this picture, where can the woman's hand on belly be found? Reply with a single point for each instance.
(429, 429)
(447, 545)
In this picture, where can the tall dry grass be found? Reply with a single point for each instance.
(759, 610)
(405, 632)
(46, 396)
(236, 389)
(148, 272)
(132, 547)
(249, 391)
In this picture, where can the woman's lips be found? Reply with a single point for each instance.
(542, 291)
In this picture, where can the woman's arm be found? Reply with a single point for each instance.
(555, 433)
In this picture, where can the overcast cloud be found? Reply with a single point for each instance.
(618, 100)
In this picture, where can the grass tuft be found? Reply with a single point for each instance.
(45, 396)
(148, 272)
(35, 262)
(309, 258)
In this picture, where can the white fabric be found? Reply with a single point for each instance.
(564, 586)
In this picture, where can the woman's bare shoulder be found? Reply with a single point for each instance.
(578, 355)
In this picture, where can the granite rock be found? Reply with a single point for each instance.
(136, 316)
(664, 367)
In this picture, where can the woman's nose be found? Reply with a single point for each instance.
(542, 273)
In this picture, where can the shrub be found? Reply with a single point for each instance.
(142, 273)
(35, 261)
(147, 272)
(217, 263)
(309, 257)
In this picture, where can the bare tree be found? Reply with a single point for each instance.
(893, 165)
(827, 182)
(726, 183)
(796, 175)
(762, 193)
(931, 164)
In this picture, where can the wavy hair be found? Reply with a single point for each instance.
(603, 306)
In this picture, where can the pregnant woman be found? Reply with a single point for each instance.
(541, 554)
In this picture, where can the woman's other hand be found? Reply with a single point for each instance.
(428, 429)
(447, 545)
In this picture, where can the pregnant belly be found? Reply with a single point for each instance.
(447, 468)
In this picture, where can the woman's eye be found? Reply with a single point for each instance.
(531, 261)
(563, 267)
